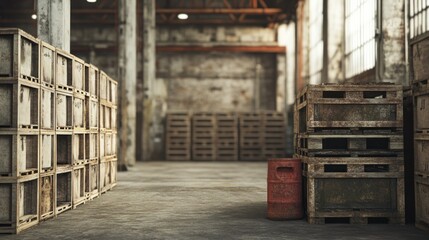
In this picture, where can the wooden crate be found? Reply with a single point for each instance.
(19, 56)
(104, 88)
(105, 176)
(47, 108)
(421, 113)
(113, 86)
(78, 148)
(92, 80)
(251, 136)
(47, 65)
(421, 154)
(91, 147)
(354, 107)
(350, 145)
(203, 136)
(47, 151)
(19, 203)
(64, 70)
(178, 136)
(64, 152)
(64, 111)
(226, 148)
(114, 118)
(92, 181)
(105, 117)
(20, 154)
(79, 112)
(78, 185)
(91, 113)
(78, 75)
(114, 172)
(20, 105)
(422, 203)
(47, 196)
(64, 195)
(355, 200)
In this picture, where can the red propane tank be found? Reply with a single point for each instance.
(284, 189)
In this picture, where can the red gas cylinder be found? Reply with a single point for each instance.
(284, 189)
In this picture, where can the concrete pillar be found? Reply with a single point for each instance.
(127, 67)
(149, 58)
(53, 22)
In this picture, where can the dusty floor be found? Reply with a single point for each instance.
(161, 200)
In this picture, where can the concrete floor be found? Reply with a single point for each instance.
(162, 200)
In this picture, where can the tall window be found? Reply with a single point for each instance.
(360, 29)
(316, 40)
(419, 17)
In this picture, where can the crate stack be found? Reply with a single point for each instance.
(421, 150)
(274, 134)
(178, 136)
(108, 132)
(19, 130)
(226, 137)
(49, 131)
(350, 140)
(204, 136)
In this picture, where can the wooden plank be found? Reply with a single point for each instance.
(47, 197)
(78, 75)
(421, 154)
(422, 203)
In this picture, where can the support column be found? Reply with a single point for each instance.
(127, 67)
(149, 58)
(53, 22)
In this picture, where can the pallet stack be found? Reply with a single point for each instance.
(178, 136)
(204, 136)
(226, 136)
(48, 131)
(421, 150)
(350, 140)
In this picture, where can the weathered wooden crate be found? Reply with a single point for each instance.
(78, 75)
(91, 147)
(353, 107)
(105, 90)
(226, 137)
(47, 196)
(91, 181)
(47, 65)
(78, 148)
(47, 109)
(421, 113)
(113, 86)
(20, 154)
(79, 112)
(349, 145)
(91, 113)
(19, 203)
(251, 140)
(64, 195)
(20, 106)
(92, 80)
(64, 152)
(64, 70)
(204, 136)
(105, 117)
(114, 118)
(421, 154)
(47, 151)
(105, 176)
(64, 111)
(19, 55)
(178, 136)
(422, 203)
(354, 200)
(114, 172)
(78, 185)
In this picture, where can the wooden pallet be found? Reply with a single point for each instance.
(19, 56)
(374, 169)
(347, 198)
(349, 107)
(64, 70)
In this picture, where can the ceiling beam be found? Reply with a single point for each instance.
(196, 48)
(249, 11)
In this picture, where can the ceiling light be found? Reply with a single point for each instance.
(182, 16)
(91, 1)
(34, 16)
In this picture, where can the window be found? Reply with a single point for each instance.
(419, 17)
(360, 32)
(316, 41)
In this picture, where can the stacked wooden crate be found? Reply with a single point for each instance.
(226, 136)
(203, 136)
(421, 140)
(49, 131)
(178, 136)
(262, 135)
(350, 140)
(19, 130)
(108, 132)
